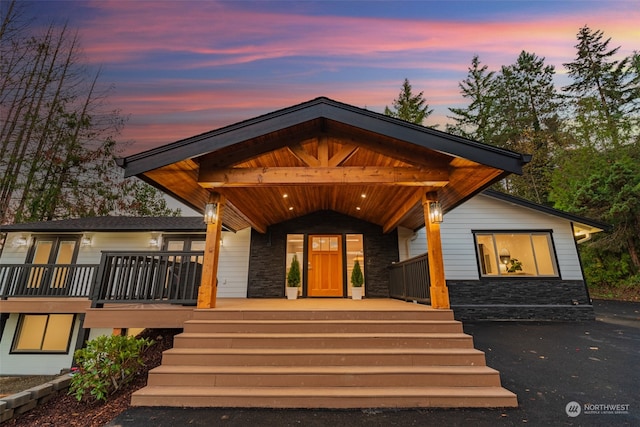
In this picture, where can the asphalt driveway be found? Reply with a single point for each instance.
(556, 369)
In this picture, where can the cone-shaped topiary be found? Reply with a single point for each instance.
(357, 280)
(293, 277)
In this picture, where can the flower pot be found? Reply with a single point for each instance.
(292, 292)
(356, 293)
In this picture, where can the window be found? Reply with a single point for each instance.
(515, 254)
(58, 250)
(355, 252)
(43, 333)
(295, 246)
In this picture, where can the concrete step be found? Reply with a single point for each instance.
(324, 397)
(322, 326)
(323, 356)
(417, 313)
(324, 376)
(323, 340)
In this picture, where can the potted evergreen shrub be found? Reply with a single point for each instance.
(357, 280)
(293, 279)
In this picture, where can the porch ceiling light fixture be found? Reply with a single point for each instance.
(210, 210)
(435, 212)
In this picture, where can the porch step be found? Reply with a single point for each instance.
(336, 315)
(324, 376)
(324, 397)
(323, 357)
(323, 340)
(322, 326)
(298, 358)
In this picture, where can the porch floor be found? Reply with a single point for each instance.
(316, 304)
(138, 315)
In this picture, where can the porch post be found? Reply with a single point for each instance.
(209, 283)
(438, 290)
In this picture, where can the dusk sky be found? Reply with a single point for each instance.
(181, 68)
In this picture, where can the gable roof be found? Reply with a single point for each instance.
(113, 224)
(585, 223)
(319, 155)
(323, 107)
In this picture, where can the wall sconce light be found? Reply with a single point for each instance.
(154, 241)
(435, 212)
(20, 242)
(86, 240)
(210, 213)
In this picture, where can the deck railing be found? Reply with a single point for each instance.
(46, 280)
(409, 280)
(171, 277)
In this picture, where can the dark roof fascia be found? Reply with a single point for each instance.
(323, 108)
(111, 224)
(216, 139)
(546, 209)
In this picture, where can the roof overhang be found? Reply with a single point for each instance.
(321, 155)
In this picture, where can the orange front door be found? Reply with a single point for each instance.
(325, 266)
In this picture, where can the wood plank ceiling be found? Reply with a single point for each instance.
(323, 165)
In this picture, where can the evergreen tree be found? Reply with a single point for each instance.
(293, 277)
(598, 175)
(604, 92)
(526, 106)
(476, 121)
(409, 107)
(357, 279)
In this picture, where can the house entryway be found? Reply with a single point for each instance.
(325, 275)
(323, 353)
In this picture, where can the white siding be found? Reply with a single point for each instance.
(111, 241)
(11, 254)
(233, 265)
(486, 213)
(32, 364)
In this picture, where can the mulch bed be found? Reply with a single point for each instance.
(65, 410)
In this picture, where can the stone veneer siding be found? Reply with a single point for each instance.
(520, 299)
(267, 255)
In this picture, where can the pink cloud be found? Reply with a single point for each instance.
(131, 36)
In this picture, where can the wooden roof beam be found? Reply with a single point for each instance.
(257, 225)
(401, 211)
(303, 155)
(342, 155)
(252, 177)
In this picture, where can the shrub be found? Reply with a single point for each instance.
(357, 280)
(106, 364)
(293, 278)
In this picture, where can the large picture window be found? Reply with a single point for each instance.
(514, 254)
(43, 333)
